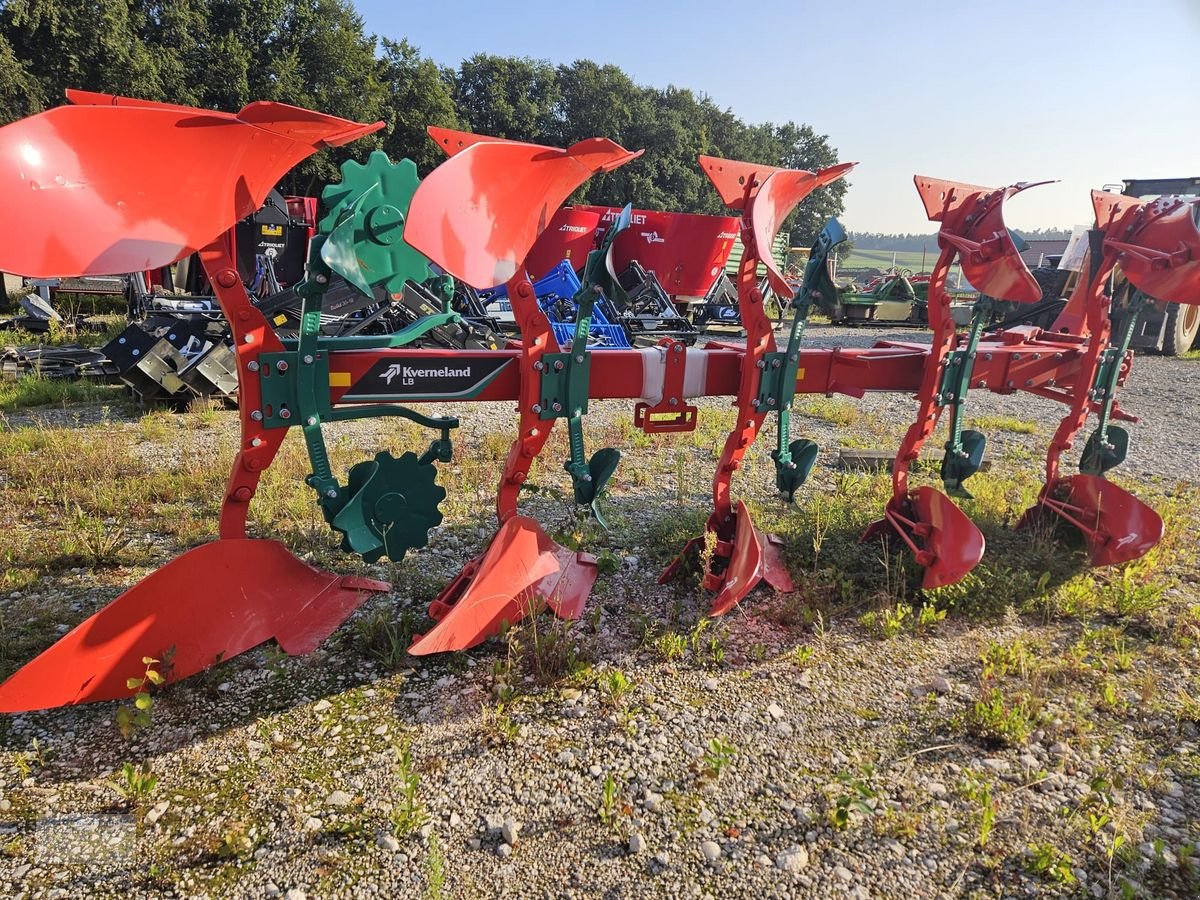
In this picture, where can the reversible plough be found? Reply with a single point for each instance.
(92, 184)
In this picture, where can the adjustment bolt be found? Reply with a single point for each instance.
(754, 403)
(762, 363)
(322, 279)
(538, 366)
(256, 415)
(256, 442)
(987, 357)
(285, 413)
(674, 401)
(537, 408)
(311, 420)
(793, 358)
(775, 364)
(252, 365)
(558, 365)
(282, 365)
(579, 358)
(678, 348)
(770, 401)
(557, 407)
(331, 493)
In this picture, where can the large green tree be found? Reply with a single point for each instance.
(507, 96)
(418, 93)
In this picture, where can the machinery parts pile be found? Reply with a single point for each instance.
(477, 216)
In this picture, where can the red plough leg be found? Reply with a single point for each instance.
(943, 540)
(1157, 244)
(742, 556)
(522, 567)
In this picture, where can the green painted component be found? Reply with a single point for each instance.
(555, 401)
(794, 460)
(567, 376)
(1108, 445)
(365, 224)
(401, 338)
(779, 252)
(280, 383)
(897, 288)
(389, 506)
(964, 449)
(802, 455)
(1103, 453)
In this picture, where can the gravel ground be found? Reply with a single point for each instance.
(809, 760)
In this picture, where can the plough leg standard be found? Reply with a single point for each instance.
(90, 210)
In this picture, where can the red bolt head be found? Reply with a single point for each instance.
(244, 315)
(525, 289)
(227, 278)
(243, 495)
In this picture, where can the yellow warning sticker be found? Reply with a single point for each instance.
(280, 319)
(272, 230)
(339, 379)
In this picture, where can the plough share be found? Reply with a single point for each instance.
(89, 208)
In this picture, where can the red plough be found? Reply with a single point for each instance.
(477, 216)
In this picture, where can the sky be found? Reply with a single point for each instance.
(1088, 92)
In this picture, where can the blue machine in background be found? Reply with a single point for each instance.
(555, 295)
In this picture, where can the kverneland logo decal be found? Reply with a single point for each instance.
(411, 372)
(428, 376)
(653, 238)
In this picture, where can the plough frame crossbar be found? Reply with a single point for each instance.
(477, 217)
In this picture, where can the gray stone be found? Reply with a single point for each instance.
(637, 843)
(510, 830)
(338, 798)
(711, 850)
(792, 860)
(389, 843)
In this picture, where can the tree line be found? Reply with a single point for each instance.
(874, 240)
(222, 54)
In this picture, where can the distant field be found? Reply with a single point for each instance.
(882, 259)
